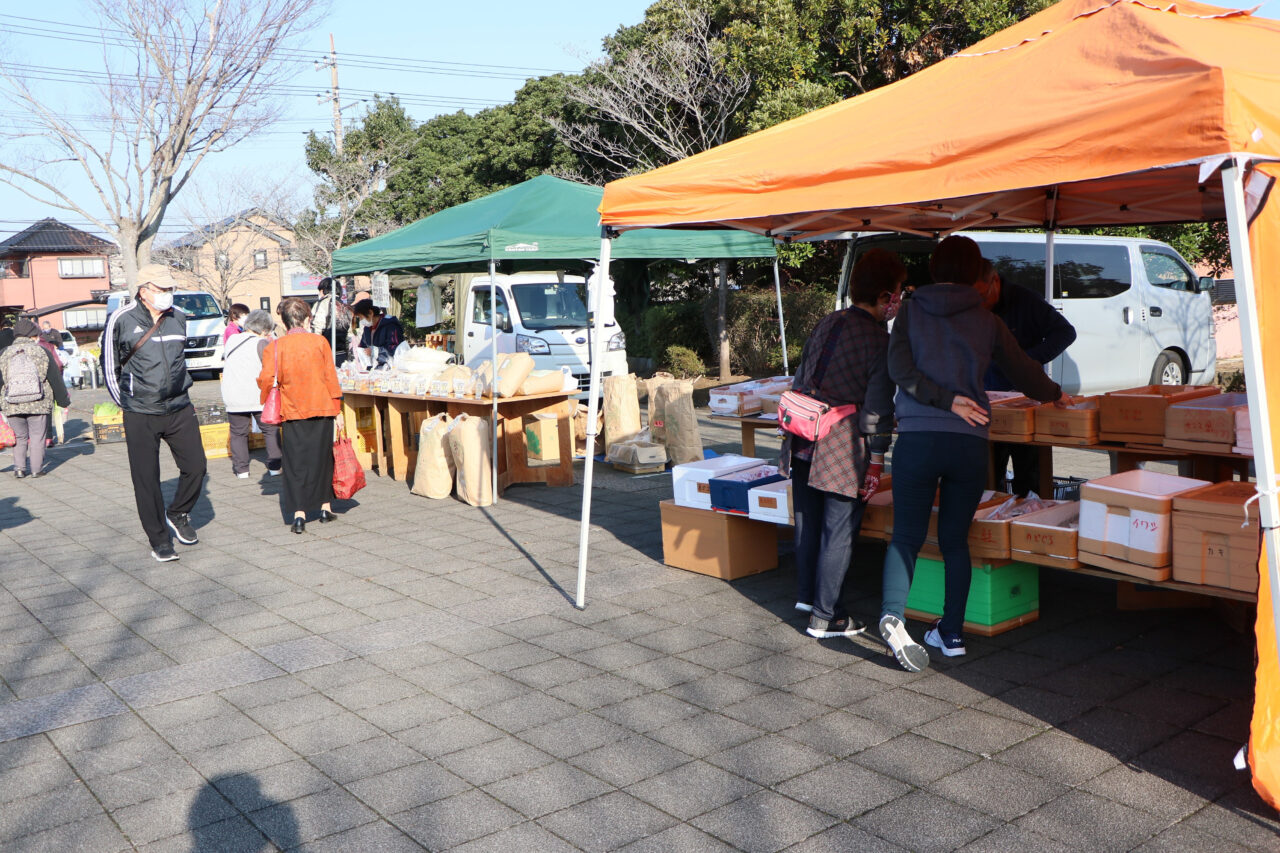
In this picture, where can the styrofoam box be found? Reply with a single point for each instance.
(690, 480)
(1127, 516)
(771, 502)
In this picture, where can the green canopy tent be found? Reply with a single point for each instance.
(539, 224)
(543, 223)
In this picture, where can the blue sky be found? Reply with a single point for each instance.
(512, 37)
(523, 37)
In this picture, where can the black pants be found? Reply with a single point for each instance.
(827, 525)
(307, 452)
(1026, 467)
(142, 435)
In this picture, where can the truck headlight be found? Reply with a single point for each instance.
(532, 345)
(617, 342)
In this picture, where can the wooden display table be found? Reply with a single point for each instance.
(399, 416)
(750, 423)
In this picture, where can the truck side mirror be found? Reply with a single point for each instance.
(1205, 284)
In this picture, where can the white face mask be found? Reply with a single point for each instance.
(162, 301)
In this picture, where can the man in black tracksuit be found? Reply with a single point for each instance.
(1044, 334)
(144, 362)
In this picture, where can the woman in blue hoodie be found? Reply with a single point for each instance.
(943, 341)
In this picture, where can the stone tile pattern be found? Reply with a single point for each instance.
(416, 677)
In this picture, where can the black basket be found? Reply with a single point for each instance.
(1067, 488)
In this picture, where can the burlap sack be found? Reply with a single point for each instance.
(621, 409)
(673, 423)
(513, 369)
(433, 475)
(472, 459)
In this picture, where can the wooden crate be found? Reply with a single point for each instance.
(1013, 420)
(1043, 537)
(1210, 545)
(108, 433)
(1138, 414)
(1209, 419)
(1076, 424)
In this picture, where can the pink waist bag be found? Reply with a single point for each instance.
(805, 417)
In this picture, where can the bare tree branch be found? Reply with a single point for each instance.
(199, 77)
(659, 103)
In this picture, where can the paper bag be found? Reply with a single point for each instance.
(433, 475)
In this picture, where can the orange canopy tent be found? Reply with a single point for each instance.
(1088, 113)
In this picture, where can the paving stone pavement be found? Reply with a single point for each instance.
(415, 676)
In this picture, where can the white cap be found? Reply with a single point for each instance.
(157, 275)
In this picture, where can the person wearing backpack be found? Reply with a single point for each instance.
(30, 383)
(144, 362)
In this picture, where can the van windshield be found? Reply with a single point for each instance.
(197, 306)
(551, 305)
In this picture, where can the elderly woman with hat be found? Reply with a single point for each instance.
(30, 383)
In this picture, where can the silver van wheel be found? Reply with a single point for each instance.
(1168, 370)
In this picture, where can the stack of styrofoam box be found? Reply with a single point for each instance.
(744, 398)
(772, 502)
(730, 492)
(691, 481)
(1126, 522)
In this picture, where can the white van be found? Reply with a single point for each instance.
(1141, 315)
(549, 322)
(205, 325)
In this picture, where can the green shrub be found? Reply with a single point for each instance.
(755, 347)
(684, 363)
(675, 324)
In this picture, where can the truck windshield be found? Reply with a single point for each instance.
(550, 305)
(197, 306)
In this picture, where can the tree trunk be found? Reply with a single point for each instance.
(722, 328)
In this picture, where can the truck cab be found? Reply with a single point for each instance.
(545, 315)
(205, 325)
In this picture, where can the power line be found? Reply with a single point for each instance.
(373, 62)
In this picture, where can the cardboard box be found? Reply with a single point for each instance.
(1076, 424)
(1208, 419)
(216, 439)
(1128, 517)
(1045, 539)
(690, 481)
(999, 593)
(987, 539)
(729, 491)
(1138, 414)
(638, 454)
(1013, 419)
(1210, 546)
(717, 544)
(771, 502)
(108, 433)
(542, 438)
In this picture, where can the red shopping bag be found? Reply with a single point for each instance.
(348, 476)
(7, 438)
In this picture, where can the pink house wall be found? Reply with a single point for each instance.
(45, 287)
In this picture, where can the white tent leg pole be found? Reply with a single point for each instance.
(782, 326)
(1264, 459)
(493, 350)
(593, 401)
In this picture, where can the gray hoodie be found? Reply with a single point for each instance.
(942, 343)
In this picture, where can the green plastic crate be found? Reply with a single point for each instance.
(997, 593)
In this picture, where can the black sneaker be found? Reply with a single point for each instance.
(845, 626)
(164, 553)
(180, 524)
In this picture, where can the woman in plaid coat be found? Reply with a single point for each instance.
(844, 362)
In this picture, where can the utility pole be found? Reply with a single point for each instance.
(332, 61)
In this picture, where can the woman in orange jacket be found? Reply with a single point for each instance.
(301, 363)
